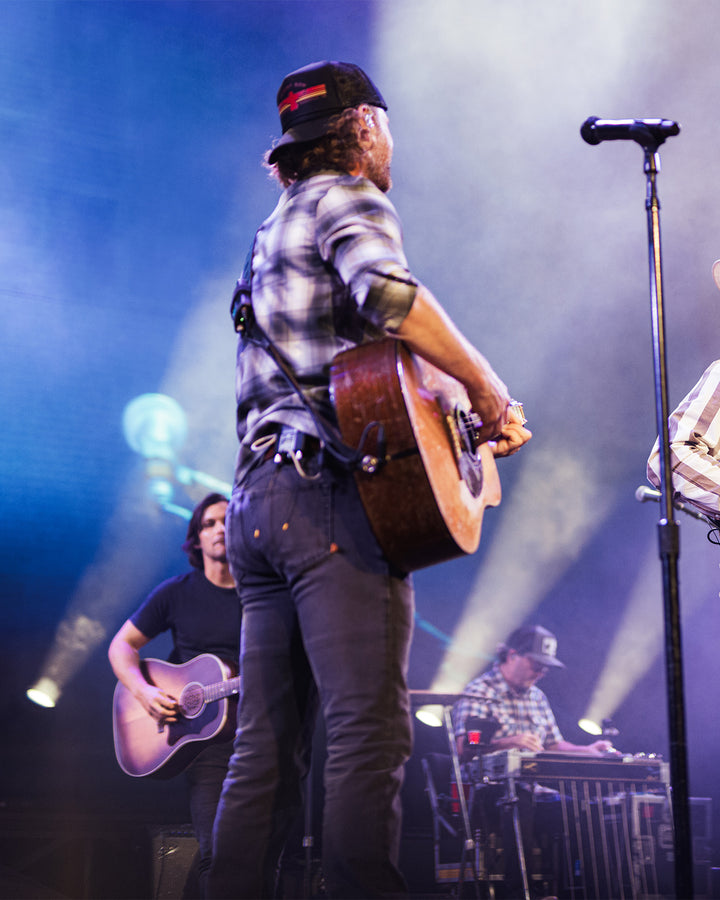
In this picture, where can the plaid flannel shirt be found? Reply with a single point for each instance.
(694, 431)
(517, 712)
(328, 272)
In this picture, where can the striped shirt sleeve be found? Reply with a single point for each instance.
(694, 431)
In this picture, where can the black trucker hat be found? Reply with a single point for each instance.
(536, 642)
(309, 97)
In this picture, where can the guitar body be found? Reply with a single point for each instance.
(425, 502)
(145, 747)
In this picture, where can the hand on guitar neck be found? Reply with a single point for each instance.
(428, 332)
(513, 434)
(496, 419)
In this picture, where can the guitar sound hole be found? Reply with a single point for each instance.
(192, 700)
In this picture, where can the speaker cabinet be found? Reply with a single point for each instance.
(175, 855)
(652, 834)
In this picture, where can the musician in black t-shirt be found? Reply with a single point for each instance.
(202, 612)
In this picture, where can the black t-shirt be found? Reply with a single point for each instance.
(202, 617)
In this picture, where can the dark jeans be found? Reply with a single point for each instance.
(324, 616)
(205, 776)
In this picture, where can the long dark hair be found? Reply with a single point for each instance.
(192, 538)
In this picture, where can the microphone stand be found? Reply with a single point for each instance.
(668, 538)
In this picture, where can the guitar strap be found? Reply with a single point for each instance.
(247, 327)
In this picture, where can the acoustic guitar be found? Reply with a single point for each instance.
(206, 690)
(425, 479)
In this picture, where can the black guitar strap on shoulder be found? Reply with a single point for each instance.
(247, 327)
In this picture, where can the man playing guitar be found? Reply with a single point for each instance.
(202, 611)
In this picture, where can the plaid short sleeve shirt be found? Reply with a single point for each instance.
(328, 272)
(491, 697)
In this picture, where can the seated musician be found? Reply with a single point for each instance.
(508, 694)
(509, 711)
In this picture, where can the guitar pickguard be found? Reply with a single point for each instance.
(465, 447)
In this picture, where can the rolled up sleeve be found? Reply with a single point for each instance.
(359, 235)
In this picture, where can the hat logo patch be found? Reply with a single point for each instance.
(548, 646)
(295, 98)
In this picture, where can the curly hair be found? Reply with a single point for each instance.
(340, 149)
(190, 546)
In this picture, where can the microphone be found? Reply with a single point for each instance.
(643, 494)
(644, 131)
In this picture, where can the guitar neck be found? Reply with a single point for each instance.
(221, 689)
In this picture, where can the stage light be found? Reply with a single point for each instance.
(75, 639)
(155, 426)
(590, 727)
(44, 692)
(430, 715)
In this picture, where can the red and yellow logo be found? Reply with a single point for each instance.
(295, 98)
